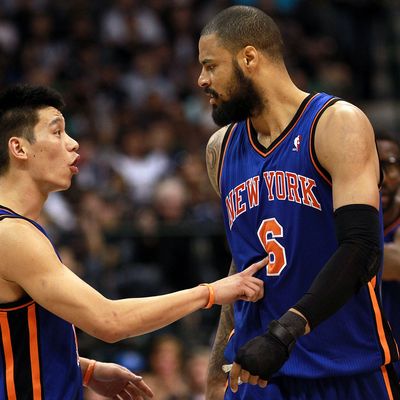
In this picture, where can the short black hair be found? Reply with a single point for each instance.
(241, 26)
(19, 106)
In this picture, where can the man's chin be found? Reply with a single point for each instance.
(224, 119)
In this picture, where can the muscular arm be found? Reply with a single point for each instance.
(216, 377)
(345, 146)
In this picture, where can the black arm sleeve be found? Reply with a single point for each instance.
(355, 262)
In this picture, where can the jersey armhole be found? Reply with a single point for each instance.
(320, 169)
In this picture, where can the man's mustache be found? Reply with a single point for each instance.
(212, 92)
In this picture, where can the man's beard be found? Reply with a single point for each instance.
(244, 101)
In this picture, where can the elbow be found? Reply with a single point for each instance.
(111, 338)
(107, 326)
(105, 331)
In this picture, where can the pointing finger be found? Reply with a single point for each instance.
(255, 267)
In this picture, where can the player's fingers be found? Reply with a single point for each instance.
(244, 375)
(132, 391)
(234, 377)
(255, 267)
(252, 294)
(125, 395)
(140, 387)
(262, 383)
(253, 380)
(255, 290)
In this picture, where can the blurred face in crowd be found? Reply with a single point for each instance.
(389, 155)
(233, 96)
(52, 156)
(165, 358)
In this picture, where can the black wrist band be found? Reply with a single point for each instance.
(288, 328)
(282, 334)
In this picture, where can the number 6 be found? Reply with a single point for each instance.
(268, 231)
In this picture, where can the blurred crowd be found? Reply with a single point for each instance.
(141, 217)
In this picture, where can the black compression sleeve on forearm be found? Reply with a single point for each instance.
(355, 262)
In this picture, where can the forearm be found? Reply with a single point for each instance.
(354, 264)
(133, 317)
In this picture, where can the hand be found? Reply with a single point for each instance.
(240, 286)
(112, 380)
(264, 355)
(257, 360)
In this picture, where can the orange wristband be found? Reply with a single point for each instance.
(89, 372)
(211, 295)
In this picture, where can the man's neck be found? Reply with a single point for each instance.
(276, 116)
(23, 199)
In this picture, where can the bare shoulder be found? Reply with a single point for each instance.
(345, 132)
(345, 147)
(21, 243)
(345, 121)
(213, 155)
(14, 231)
(17, 229)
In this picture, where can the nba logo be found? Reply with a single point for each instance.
(296, 143)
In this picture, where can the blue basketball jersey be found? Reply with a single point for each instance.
(38, 353)
(391, 289)
(278, 200)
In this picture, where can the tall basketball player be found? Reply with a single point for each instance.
(298, 175)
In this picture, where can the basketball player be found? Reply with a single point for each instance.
(41, 300)
(298, 176)
(389, 155)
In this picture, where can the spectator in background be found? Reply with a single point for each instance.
(140, 166)
(389, 156)
(196, 367)
(165, 373)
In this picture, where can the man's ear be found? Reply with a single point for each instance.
(250, 57)
(17, 148)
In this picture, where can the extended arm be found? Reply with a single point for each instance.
(216, 378)
(346, 149)
(29, 261)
